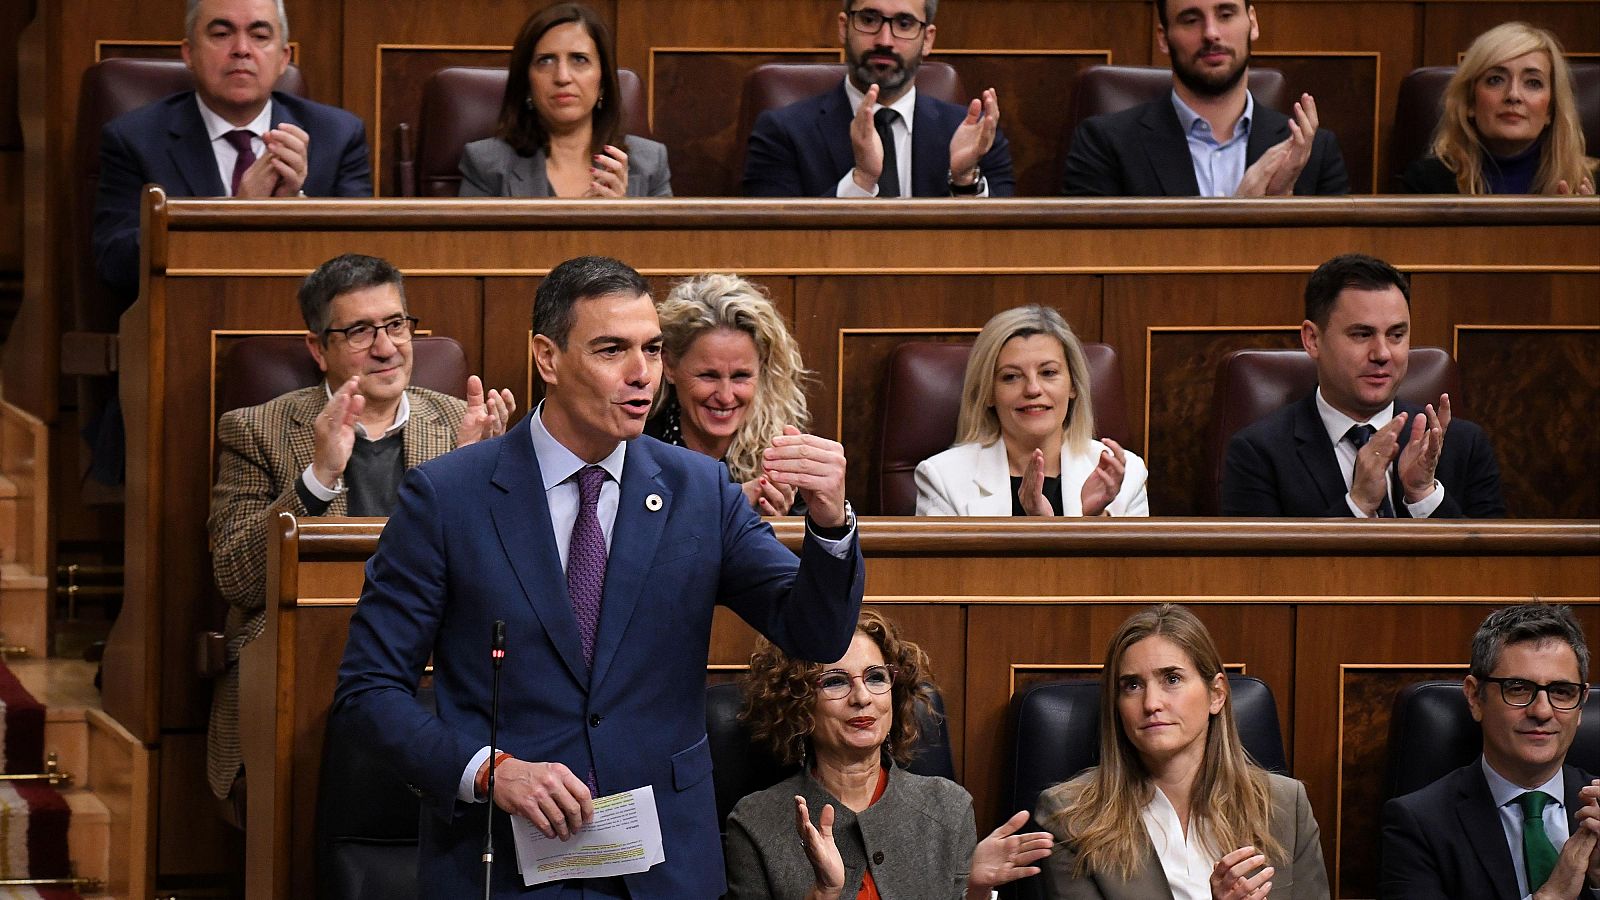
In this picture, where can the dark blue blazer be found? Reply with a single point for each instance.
(1142, 152)
(470, 542)
(803, 149)
(165, 143)
(1284, 466)
(1445, 841)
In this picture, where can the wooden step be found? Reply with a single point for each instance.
(88, 835)
(24, 609)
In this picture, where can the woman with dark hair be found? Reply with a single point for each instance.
(560, 132)
(850, 726)
(1176, 808)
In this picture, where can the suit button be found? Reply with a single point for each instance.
(594, 720)
(877, 858)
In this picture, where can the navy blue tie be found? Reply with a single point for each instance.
(1359, 435)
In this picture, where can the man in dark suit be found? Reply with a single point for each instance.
(874, 135)
(232, 136)
(1517, 822)
(1351, 449)
(605, 553)
(1209, 138)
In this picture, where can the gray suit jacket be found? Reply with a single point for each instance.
(491, 168)
(1292, 825)
(917, 840)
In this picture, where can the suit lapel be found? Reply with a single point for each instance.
(528, 177)
(833, 129)
(303, 440)
(1316, 454)
(427, 433)
(521, 517)
(1268, 128)
(191, 153)
(991, 482)
(1481, 823)
(634, 536)
(930, 158)
(1167, 150)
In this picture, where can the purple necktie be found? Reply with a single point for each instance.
(247, 157)
(586, 560)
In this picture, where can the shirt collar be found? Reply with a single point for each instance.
(1196, 125)
(217, 126)
(1338, 424)
(401, 417)
(906, 106)
(558, 464)
(1505, 793)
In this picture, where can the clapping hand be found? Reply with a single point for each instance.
(1232, 878)
(334, 432)
(1105, 482)
(865, 144)
(1421, 456)
(486, 415)
(974, 136)
(827, 867)
(1275, 173)
(610, 173)
(1004, 856)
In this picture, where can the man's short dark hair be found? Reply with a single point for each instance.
(1529, 622)
(1161, 11)
(341, 275)
(1352, 270)
(931, 8)
(579, 279)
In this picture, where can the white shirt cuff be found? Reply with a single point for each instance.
(838, 549)
(1351, 502)
(316, 487)
(467, 791)
(1425, 507)
(848, 189)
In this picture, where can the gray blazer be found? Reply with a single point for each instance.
(491, 168)
(917, 840)
(1292, 825)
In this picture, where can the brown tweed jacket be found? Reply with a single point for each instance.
(262, 451)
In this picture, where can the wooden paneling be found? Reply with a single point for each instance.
(1345, 86)
(1451, 27)
(402, 71)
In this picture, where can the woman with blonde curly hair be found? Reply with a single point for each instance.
(1510, 122)
(850, 726)
(1176, 808)
(734, 381)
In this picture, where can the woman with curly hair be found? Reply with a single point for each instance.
(1176, 807)
(850, 726)
(1510, 123)
(734, 381)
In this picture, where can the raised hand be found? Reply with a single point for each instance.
(334, 433)
(1004, 856)
(1261, 173)
(1421, 455)
(815, 467)
(547, 794)
(1232, 878)
(1369, 482)
(827, 867)
(1031, 491)
(767, 498)
(974, 136)
(486, 415)
(1585, 187)
(1302, 135)
(610, 173)
(288, 149)
(865, 144)
(1105, 482)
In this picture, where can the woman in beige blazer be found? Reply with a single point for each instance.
(1176, 808)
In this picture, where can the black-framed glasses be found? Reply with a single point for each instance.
(904, 26)
(1521, 692)
(834, 684)
(360, 337)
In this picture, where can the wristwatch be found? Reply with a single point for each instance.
(967, 190)
(834, 534)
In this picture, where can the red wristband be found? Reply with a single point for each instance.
(482, 783)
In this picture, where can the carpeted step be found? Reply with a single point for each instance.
(33, 816)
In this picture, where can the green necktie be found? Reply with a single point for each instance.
(1538, 854)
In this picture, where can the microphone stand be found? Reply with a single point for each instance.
(497, 655)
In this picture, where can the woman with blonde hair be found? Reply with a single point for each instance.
(733, 381)
(1176, 807)
(1025, 441)
(1510, 122)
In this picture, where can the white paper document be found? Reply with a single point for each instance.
(623, 837)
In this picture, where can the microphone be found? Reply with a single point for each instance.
(497, 655)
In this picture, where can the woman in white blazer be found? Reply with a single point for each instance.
(1025, 439)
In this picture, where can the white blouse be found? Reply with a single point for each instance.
(1187, 861)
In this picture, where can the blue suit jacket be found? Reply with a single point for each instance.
(1284, 465)
(470, 542)
(803, 149)
(165, 143)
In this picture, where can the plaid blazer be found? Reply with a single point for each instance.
(262, 451)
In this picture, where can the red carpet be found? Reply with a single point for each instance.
(33, 815)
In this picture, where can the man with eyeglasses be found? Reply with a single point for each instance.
(336, 449)
(1517, 822)
(874, 135)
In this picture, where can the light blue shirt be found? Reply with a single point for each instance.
(1218, 167)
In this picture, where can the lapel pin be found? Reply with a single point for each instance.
(653, 503)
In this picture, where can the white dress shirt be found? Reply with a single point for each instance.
(1187, 860)
(1337, 425)
(1505, 796)
(222, 149)
(906, 106)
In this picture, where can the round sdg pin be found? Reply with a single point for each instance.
(653, 503)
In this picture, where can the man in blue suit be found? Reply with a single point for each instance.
(874, 135)
(232, 136)
(607, 586)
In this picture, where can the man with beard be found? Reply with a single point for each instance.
(873, 135)
(1234, 147)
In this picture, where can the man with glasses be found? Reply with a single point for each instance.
(1517, 822)
(336, 449)
(874, 135)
